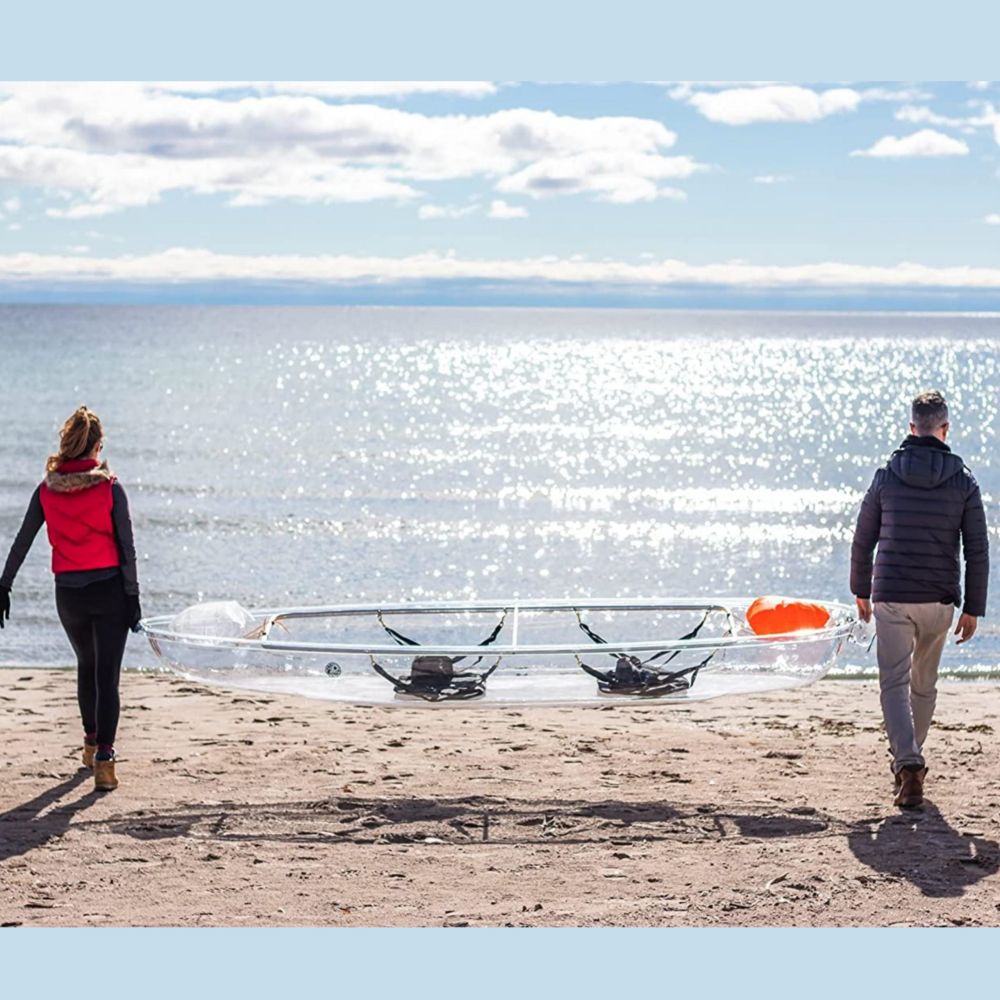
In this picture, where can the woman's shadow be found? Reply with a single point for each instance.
(24, 828)
(919, 846)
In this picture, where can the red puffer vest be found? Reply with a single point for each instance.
(77, 501)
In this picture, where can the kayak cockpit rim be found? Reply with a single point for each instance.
(841, 617)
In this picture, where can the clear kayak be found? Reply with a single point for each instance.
(515, 652)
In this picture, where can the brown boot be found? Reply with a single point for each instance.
(89, 753)
(104, 776)
(911, 787)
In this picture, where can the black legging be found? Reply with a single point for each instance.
(95, 618)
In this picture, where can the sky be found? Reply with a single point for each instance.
(771, 195)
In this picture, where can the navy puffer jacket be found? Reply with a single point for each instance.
(916, 510)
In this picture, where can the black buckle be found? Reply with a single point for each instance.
(630, 676)
(434, 678)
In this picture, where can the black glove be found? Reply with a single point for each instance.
(4, 604)
(134, 611)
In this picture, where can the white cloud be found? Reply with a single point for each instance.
(615, 177)
(112, 182)
(986, 118)
(116, 146)
(893, 96)
(499, 209)
(773, 178)
(12, 205)
(15, 227)
(446, 211)
(747, 103)
(993, 219)
(349, 89)
(915, 115)
(926, 142)
(769, 103)
(195, 265)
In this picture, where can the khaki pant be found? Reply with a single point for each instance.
(911, 638)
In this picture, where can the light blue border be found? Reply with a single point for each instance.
(312, 964)
(516, 39)
(619, 40)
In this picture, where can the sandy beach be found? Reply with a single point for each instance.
(240, 809)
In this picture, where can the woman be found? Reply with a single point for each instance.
(85, 511)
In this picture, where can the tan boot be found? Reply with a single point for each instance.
(104, 776)
(89, 753)
(911, 787)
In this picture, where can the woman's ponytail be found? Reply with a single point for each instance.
(77, 439)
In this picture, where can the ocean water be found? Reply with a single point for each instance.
(327, 455)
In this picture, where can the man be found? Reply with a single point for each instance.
(917, 509)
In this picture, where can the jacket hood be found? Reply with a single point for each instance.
(81, 474)
(925, 462)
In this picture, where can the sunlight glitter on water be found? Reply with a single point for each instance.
(322, 455)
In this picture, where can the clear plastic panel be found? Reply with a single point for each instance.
(736, 661)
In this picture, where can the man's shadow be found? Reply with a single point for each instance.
(919, 846)
(24, 828)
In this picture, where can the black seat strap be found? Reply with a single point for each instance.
(691, 635)
(405, 640)
(595, 637)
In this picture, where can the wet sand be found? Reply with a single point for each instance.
(239, 809)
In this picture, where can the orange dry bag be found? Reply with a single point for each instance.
(774, 615)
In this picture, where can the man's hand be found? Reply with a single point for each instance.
(966, 627)
(865, 609)
(4, 605)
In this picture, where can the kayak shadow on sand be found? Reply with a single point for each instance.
(920, 846)
(24, 828)
(464, 819)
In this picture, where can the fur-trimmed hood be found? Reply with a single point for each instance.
(80, 474)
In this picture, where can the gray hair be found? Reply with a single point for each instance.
(929, 412)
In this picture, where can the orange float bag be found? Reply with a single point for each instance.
(774, 615)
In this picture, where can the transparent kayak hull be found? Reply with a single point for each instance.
(536, 652)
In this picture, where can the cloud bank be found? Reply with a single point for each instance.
(93, 149)
(197, 265)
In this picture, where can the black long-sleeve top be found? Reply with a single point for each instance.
(121, 519)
